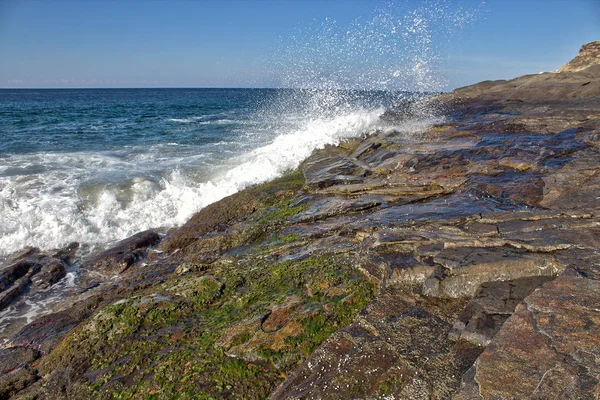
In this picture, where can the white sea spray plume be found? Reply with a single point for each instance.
(337, 75)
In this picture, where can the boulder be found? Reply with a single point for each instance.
(124, 254)
(31, 269)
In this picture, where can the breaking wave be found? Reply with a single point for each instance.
(155, 166)
(50, 200)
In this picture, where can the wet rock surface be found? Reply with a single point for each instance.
(459, 261)
(31, 270)
(392, 348)
(124, 254)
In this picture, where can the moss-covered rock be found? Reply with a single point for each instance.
(230, 330)
(207, 231)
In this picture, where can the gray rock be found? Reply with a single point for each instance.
(491, 306)
(124, 254)
(329, 171)
(17, 288)
(49, 274)
(464, 269)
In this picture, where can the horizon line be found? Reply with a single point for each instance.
(209, 87)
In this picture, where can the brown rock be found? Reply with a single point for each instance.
(576, 186)
(240, 333)
(252, 349)
(10, 274)
(248, 339)
(541, 87)
(13, 358)
(11, 384)
(280, 315)
(589, 55)
(15, 372)
(44, 333)
(465, 268)
(49, 274)
(548, 349)
(491, 306)
(393, 348)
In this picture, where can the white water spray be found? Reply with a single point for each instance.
(61, 201)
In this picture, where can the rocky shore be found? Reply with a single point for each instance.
(458, 262)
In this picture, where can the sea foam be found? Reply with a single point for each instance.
(81, 197)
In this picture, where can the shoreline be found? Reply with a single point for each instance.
(460, 263)
(101, 194)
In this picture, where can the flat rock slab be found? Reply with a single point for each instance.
(548, 349)
(464, 269)
(491, 306)
(329, 171)
(331, 206)
(393, 348)
(451, 207)
(576, 186)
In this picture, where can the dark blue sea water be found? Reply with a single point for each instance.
(108, 119)
(95, 165)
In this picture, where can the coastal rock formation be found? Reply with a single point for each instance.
(589, 55)
(576, 79)
(15, 370)
(124, 254)
(32, 270)
(460, 261)
(392, 349)
(547, 349)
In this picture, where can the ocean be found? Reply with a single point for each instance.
(95, 166)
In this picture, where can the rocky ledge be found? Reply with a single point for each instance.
(460, 261)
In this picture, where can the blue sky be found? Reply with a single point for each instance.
(417, 44)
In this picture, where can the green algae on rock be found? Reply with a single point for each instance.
(176, 340)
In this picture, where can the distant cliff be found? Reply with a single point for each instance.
(577, 79)
(589, 55)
